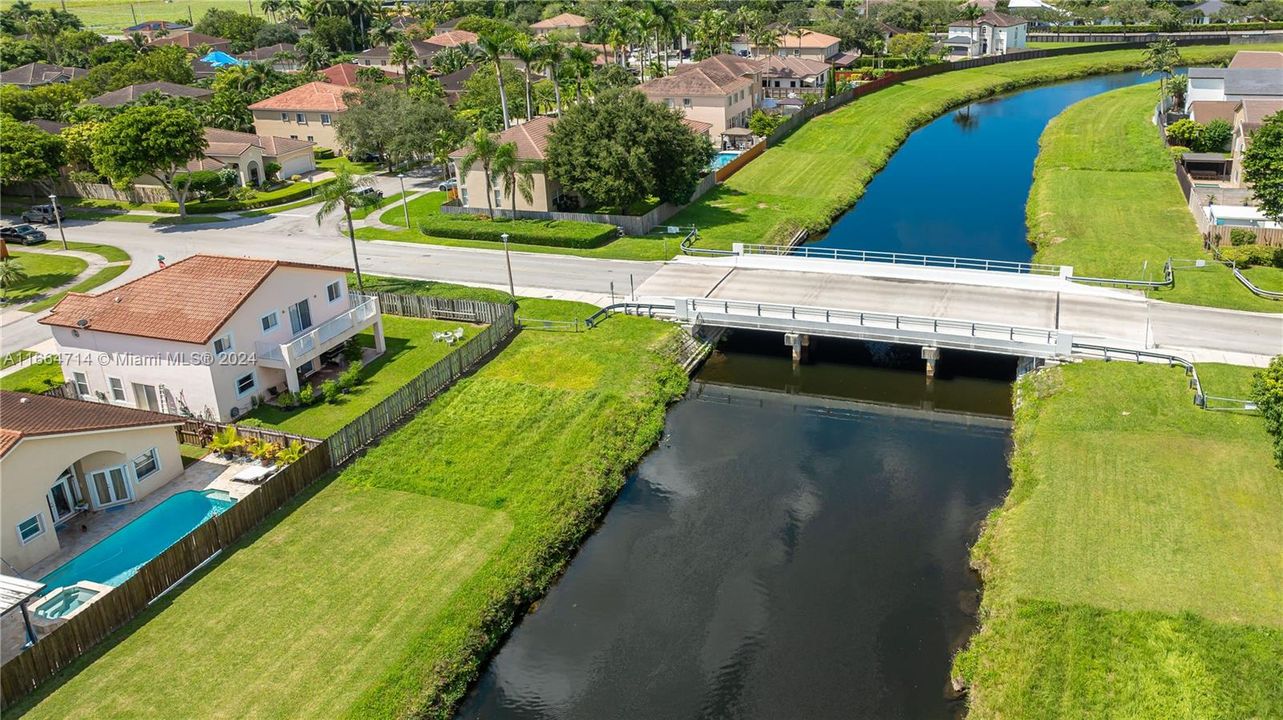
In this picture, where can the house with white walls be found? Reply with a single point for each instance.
(209, 336)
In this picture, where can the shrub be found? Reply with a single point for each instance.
(352, 351)
(763, 124)
(1267, 392)
(553, 233)
(1185, 132)
(1242, 236)
(1177, 151)
(251, 422)
(1248, 255)
(271, 170)
(287, 399)
(351, 377)
(306, 395)
(1216, 136)
(330, 391)
(298, 191)
(323, 153)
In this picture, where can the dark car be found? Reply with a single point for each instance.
(22, 234)
(43, 214)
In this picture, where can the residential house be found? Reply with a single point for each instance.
(192, 40)
(345, 75)
(1257, 60)
(60, 458)
(1205, 12)
(793, 76)
(38, 73)
(453, 38)
(149, 28)
(1249, 116)
(53, 127)
(203, 70)
(209, 336)
(306, 112)
(721, 90)
(455, 83)
(992, 34)
(132, 93)
(563, 24)
(249, 155)
(281, 56)
(381, 56)
(810, 45)
(531, 139)
(1251, 74)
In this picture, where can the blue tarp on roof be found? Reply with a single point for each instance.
(218, 58)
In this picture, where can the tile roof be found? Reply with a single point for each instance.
(191, 40)
(717, 75)
(267, 53)
(453, 38)
(27, 415)
(344, 74)
(187, 301)
(1256, 110)
(230, 142)
(531, 138)
(699, 127)
(39, 73)
(998, 19)
(156, 25)
(130, 93)
(810, 39)
(1206, 72)
(1205, 111)
(422, 49)
(1257, 59)
(317, 96)
(792, 67)
(1254, 81)
(564, 20)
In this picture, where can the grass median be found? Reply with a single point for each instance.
(118, 258)
(380, 595)
(44, 272)
(1136, 567)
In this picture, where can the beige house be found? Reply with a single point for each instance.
(209, 336)
(793, 76)
(306, 112)
(563, 24)
(721, 90)
(531, 139)
(810, 45)
(1249, 116)
(248, 154)
(381, 56)
(60, 458)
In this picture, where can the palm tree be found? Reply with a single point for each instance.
(382, 34)
(580, 61)
(312, 54)
(291, 8)
(11, 273)
(490, 48)
(402, 53)
(1162, 57)
(552, 54)
(517, 174)
(713, 33)
(443, 143)
(270, 7)
(345, 192)
(971, 12)
(482, 148)
(528, 53)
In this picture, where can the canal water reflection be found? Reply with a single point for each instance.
(778, 555)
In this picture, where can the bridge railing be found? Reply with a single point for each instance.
(896, 258)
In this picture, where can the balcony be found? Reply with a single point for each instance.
(315, 341)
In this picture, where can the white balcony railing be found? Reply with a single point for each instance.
(323, 337)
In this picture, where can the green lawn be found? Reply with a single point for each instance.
(379, 596)
(363, 213)
(112, 16)
(411, 350)
(1105, 200)
(15, 357)
(450, 291)
(110, 253)
(823, 167)
(35, 378)
(1136, 567)
(359, 168)
(44, 272)
(191, 454)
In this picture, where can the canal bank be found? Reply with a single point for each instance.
(796, 546)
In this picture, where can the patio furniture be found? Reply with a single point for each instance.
(253, 474)
(458, 333)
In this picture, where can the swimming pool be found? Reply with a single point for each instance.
(118, 556)
(722, 159)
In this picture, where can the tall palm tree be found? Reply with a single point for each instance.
(491, 48)
(528, 52)
(443, 143)
(383, 34)
(482, 148)
(402, 53)
(579, 60)
(312, 54)
(552, 54)
(345, 192)
(271, 7)
(291, 8)
(516, 174)
(971, 12)
(12, 273)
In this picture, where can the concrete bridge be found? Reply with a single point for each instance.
(1026, 313)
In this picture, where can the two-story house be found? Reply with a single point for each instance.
(208, 336)
(531, 139)
(381, 56)
(721, 90)
(1251, 75)
(565, 24)
(793, 76)
(809, 44)
(991, 34)
(306, 112)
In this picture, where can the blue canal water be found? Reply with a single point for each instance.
(959, 185)
(118, 556)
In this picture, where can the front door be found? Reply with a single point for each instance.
(62, 502)
(109, 486)
(146, 398)
(300, 317)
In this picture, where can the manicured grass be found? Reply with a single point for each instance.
(44, 272)
(35, 378)
(1136, 567)
(1105, 200)
(1057, 45)
(450, 291)
(426, 217)
(823, 167)
(101, 277)
(110, 253)
(380, 596)
(15, 357)
(363, 213)
(191, 454)
(112, 16)
(410, 351)
(1266, 278)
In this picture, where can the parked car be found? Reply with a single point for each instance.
(448, 185)
(369, 193)
(43, 214)
(22, 234)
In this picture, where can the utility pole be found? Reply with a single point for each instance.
(57, 214)
(512, 290)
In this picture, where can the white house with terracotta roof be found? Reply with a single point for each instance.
(209, 336)
(531, 139)
(721, 90)
(60, 458)
(793, 76)
(306, 112)
(563, 24)
(992, 34)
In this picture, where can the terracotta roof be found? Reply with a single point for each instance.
(792, 67)
(809, 39)
(717, 75)
(344, 74)
(316, 96)
(564, 20)
(531, 138)
(1205, 111)
(27, 415)
(190, 40)
(453, 38)
(230, 142)
(187, 301)
(1257, 59)
(267, 53)
(130, 93)
(39, 73)
(422, 49)
(699, 127)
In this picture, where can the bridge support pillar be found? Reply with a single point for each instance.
(931, 355)
(801, 345)
(1026, 365)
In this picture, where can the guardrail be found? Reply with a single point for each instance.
(1169, 279)
(628, 308)
(688, 246)
(1201, 399)
(896, 258)
(1238, 274)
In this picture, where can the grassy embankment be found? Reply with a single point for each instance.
(1136, 567)
(44, 272)
(379, 595)
(112, 16)
(1105, 200)
(118, 258)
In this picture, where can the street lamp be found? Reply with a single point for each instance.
(404, 207)
(53, 206)
(508, 258)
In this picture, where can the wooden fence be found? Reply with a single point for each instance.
(740, 161)
(68, 641)
(432, 308)
(1219, 235)
(200, 432)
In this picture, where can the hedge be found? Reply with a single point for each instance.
(1212, 28)
(297, 191)
(553, 233)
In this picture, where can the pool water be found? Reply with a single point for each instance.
(722, 159)
(62, 604)
(118, 556)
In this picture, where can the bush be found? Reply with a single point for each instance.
(1242, 236)
(251, 422)
(351, 377)
(1248, 255)
(330, 391)
(306, 395)
(1216, 136)
(287, 399)
(297, 191)
(1177, 151)
(1185, 132)
(352, 351)
(552, 233)
(323, 153)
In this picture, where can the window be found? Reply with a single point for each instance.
(223, 344)
(117, 389)
(311, 139)
(82, 383)
(686, 102)
(498, 196)
(325, 118)
(294, 137)
(301, 118)
(245, 384)
(334, 291)
(300, 317)
(30, 529)
(146, 464)
(285, 117)
(269, 321)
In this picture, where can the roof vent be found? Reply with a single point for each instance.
(24, 401)
(116, 299)
(82, 323)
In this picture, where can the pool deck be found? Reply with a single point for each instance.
(83, 531)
